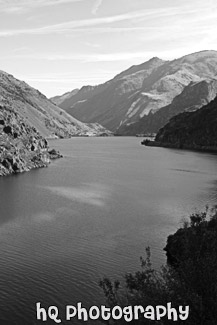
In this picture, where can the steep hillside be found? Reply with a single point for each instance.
(141, 90)
(39, 112)
(84, 94)
(106, 103)
(59, 99)
(26, 118)
(21, 146)
(193, 97)
(191, 130)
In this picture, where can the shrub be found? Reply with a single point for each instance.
(189, 278)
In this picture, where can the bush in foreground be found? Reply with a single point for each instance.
(188, 279)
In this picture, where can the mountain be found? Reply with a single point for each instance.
(143, 90)
(193, 97)
(106, 103)
(85, 93)
(27, 117)
(59, 99)
(39, 112)
(191, 130)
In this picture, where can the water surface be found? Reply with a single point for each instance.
(89, 215)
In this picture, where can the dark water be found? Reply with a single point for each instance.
(92, 214)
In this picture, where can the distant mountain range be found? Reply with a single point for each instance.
(144, 97)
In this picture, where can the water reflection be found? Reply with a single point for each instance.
(88, 193)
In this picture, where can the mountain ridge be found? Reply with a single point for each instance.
(193, 97)
(140, 90)
(59, 99)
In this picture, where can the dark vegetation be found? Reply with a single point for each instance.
(189, 278)
(193, 130)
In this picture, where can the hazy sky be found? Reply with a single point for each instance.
(58, 45)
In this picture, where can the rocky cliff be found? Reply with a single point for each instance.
(21, 146)
(140, 92)
(191, 130)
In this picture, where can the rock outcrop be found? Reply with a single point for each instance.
(21, 147)
(142, 91)
(190, 130)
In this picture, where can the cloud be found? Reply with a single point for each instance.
(63, 27)
(89, 23)
(93, 45)
(100, 57)
(19, 6)
(85, 58)
(96, 6)
(60, 80)
(65, 82)
(146, 20)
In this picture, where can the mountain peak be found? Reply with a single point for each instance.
(155, 59)
(147, 65)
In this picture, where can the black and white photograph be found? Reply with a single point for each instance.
(108, 162)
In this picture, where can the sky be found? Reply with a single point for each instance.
(59, 45)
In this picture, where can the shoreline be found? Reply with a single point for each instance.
(208, 149)
(42, 160)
